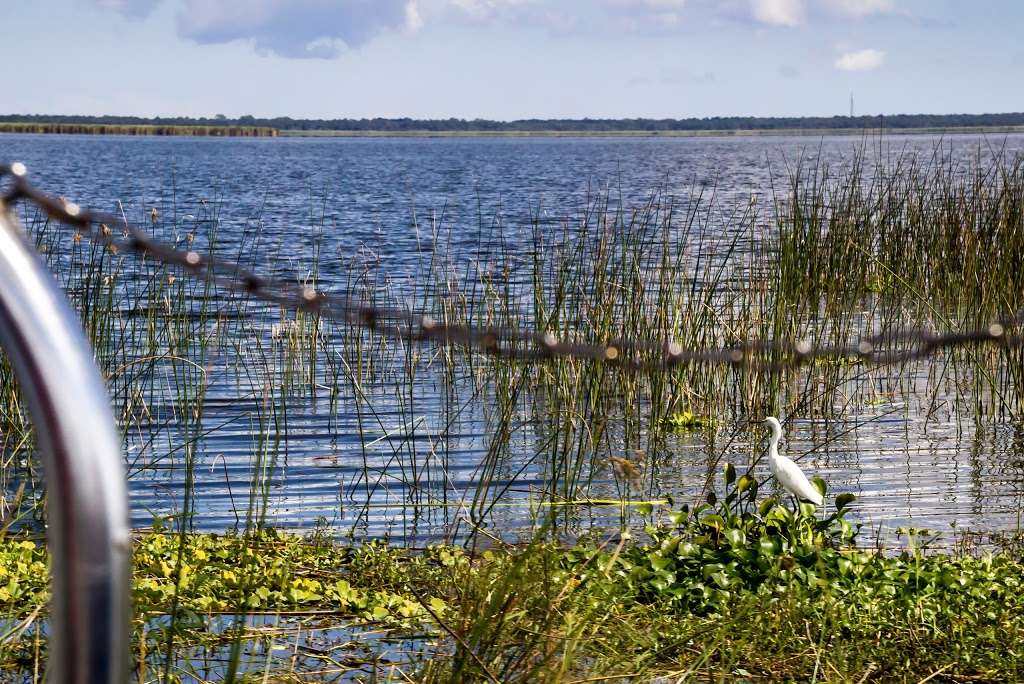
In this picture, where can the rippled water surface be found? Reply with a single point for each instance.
(410, 470)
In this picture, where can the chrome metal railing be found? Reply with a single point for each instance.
(80, 447)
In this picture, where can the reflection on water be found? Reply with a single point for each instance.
(335, 651)
(406, 462)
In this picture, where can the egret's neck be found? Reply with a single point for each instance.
(773, 446)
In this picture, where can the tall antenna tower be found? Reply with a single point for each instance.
(851, 104)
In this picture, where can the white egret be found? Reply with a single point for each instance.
(786, 471)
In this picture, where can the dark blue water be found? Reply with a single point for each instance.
(379, 201)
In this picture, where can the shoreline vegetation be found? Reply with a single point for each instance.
(248, 126)
(743, 589)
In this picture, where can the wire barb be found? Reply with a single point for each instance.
(886, 348)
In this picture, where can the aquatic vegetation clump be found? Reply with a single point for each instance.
(265, 572)
(735, 545)
(686, 420)
(737, 588)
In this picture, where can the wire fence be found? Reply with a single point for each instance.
(526, 345)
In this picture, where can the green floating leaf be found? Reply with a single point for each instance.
(844, 500)
(735, 537)
(767, 505)
(768, 546)
(658, 562)
(721, 579)
(820, 485)
(687, 549)
(714, 521)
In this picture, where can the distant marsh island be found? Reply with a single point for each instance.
(137, 129)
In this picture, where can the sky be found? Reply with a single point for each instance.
(511, 59)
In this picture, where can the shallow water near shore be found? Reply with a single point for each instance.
(411, 472)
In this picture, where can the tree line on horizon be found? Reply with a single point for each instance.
(714, 123)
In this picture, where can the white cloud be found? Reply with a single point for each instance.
(778, 12)
(289, 28)
(327, 28)
(651, 5)
(133, 9)
(538, 13)
(861, 60)
(562, 15)
(489, 9)
(860, 8)
(636, 15)
(413, 20)
(295, 28)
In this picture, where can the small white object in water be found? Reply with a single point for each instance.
(786, 471)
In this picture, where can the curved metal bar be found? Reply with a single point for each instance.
(76, 435)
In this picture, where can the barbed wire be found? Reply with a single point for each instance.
(493, 340)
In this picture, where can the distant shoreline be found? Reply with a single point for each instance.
(403, 127)
(725, 133)
(68, 128)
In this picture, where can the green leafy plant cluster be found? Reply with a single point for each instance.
(739, 587)
(268, 572)
(760, 579)
(24, 578)
(737, 545)
(687, 420)
(265, 571)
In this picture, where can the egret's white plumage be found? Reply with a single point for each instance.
(788, 473)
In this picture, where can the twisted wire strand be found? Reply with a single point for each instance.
(525, 345)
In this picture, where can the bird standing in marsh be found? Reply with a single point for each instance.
(786, 471)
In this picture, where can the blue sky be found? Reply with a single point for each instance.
(507, 59)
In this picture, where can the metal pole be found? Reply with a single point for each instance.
(80, 447)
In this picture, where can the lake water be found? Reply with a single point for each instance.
(375, 200)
